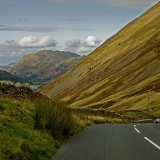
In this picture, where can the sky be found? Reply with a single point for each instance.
(79, 26)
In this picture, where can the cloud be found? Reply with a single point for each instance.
(28, 29)
(9, 54)
(138, 3)
(9, 43)
(73, 42)
(40, 29)
(86, 46)
(78, 46)
(31, 42)
(2, 26)
(12, 54)
(83, 50)
(91, 41)
(132, 3)
(12, 49)
(69, 18)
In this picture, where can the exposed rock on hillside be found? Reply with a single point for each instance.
(44, 65)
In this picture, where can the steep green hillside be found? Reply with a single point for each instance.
(123, 74)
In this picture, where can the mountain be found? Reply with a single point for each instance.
(123, 74)
(5, 76)
(44, 65)
(6, 67)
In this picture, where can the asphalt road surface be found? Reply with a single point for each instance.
(114, 142)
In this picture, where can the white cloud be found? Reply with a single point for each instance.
(73, 42)
(28, 41)
(83, 50)
(91, 41)
(86, 46)
(31, 44)
(31, 41)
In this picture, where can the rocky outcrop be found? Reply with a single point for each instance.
(18, 91)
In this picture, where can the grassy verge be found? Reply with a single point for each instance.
(18, 138)
(34, 131)
(55, 117)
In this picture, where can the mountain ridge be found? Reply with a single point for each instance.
(44, 65)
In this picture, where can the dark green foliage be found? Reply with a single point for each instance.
(5, 76)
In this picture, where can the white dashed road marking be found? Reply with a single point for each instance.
(152, 143)
(136, 129)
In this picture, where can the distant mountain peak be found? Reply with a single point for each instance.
(44, 65)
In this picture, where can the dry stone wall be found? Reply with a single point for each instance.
(99, 112)
(18, 91)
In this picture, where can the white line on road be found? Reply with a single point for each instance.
(136, 129)
(152, 143)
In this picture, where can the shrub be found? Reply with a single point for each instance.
(55, 117)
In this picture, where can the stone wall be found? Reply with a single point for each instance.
(99, 112)
(18, 91)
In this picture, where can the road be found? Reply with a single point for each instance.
(113, 142)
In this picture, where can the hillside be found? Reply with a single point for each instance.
(44, 65)
(123, 74)
(5, 76)
(33, 127)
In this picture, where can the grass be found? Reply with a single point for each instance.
(18, 138)
(34, 131)
(55, 117)
(91, 120)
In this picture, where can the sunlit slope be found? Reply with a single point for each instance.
(121, 73)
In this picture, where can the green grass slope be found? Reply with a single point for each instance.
(123, 74)
(18, 138)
